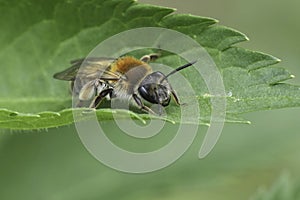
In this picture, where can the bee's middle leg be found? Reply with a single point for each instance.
(98, 99)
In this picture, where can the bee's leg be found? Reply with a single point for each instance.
(86, 93)
(97, 100)
(141, 105)
(71, 87)
(79, 104)
(175, 97)
(150, 57)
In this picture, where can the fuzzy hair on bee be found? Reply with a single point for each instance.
(93, 79)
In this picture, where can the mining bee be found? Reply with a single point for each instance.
(124, 78)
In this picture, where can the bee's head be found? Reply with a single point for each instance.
(155, 87)
(155, 91)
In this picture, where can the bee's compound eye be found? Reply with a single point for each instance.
(154, 93)
(148, 93)
(143, 91)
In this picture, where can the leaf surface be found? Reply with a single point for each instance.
(40, 39)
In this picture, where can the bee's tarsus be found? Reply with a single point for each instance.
(175, 97)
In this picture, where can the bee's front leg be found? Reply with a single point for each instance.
(175, 97)
(142, 106)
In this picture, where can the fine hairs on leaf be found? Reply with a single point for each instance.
(34, 46)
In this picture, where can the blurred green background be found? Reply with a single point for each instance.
(54, 164)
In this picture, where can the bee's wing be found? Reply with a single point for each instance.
(90, 68)
(68, 74)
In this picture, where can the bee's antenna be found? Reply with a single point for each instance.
(178, 69)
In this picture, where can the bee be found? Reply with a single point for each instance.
(126, 78)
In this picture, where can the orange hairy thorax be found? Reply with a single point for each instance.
(124, 64)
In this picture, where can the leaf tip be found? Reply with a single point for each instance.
(243, 36)
(277, 59)
(138, 117)
(205, 124)
(169, 120)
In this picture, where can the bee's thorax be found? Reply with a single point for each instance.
(125, 64)
(133, 73)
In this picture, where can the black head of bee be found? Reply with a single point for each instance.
(154, 91)
(155, 87)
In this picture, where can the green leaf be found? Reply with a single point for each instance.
(40, 38)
